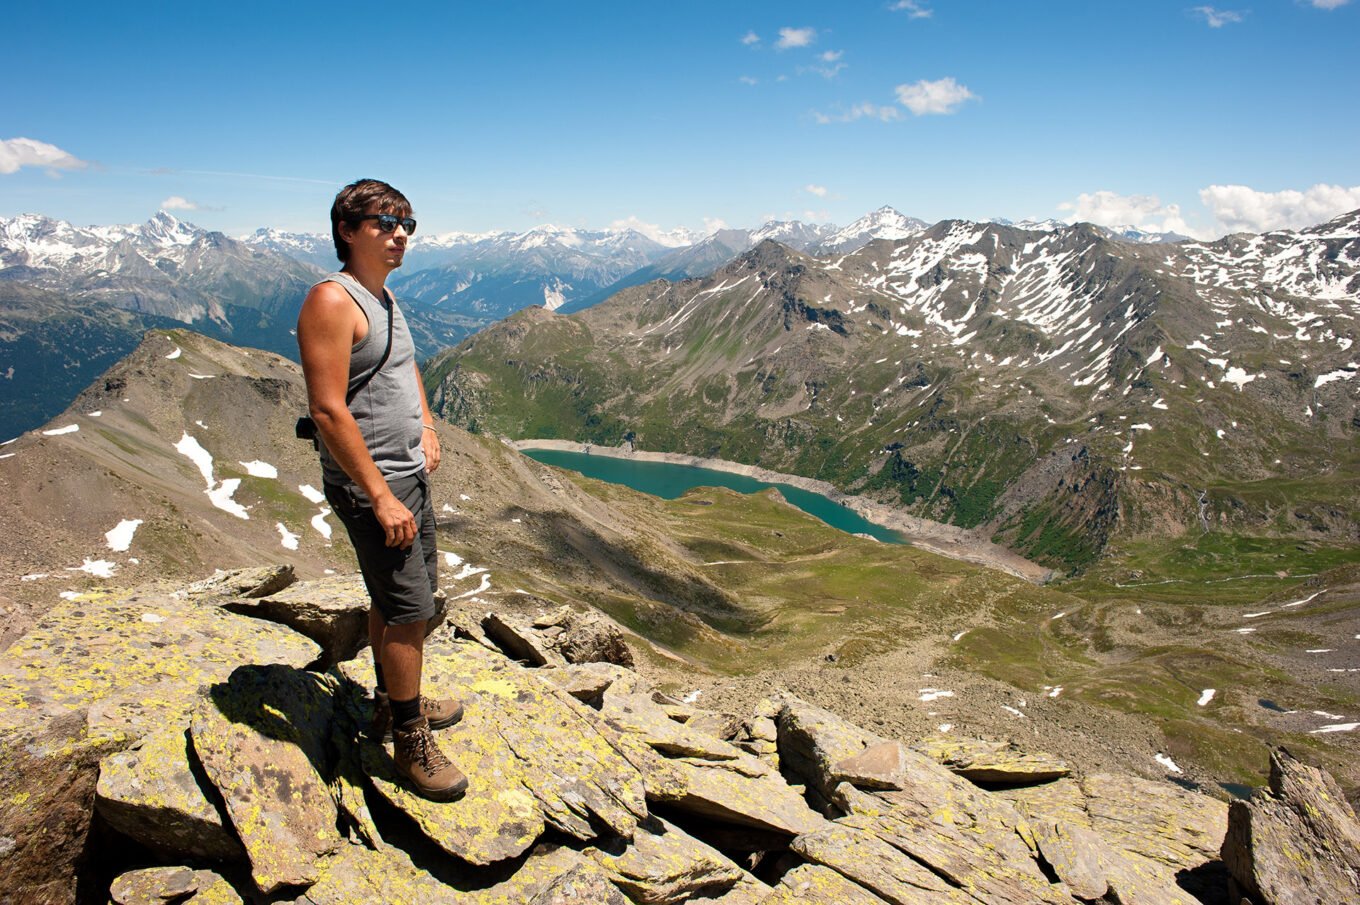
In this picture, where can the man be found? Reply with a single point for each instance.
(378, 446)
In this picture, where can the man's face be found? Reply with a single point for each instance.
(369, 242)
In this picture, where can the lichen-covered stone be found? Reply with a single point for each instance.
(331, 611)
(1158, 820)
(256, 581)
(264, 739)
(879, 766)
(992, 762)
(814, 884)
(150, 793)
(764, 802)
(581, 681)
(519, 641)
(663, 864)
(1061, 799)
(640, 715)
(349, 781)
(590, 638)
(360, 874)
(163, 885)
(584, 884)
(871, 863)
(1296, 841)
(568, 758)
(90, 677)
(813, 740)
(496, 819)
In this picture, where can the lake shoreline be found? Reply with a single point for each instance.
(945, 540)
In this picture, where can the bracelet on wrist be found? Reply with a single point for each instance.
(429, 427)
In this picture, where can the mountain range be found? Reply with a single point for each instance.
(1058, 391)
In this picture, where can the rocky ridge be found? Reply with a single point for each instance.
(164, 717)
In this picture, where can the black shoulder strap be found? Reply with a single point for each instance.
(391, 305)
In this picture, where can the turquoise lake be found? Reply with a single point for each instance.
(668, 481)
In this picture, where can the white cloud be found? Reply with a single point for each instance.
(1217, 18)
(1241, 209)
(749, 80)
(1145, 212)
(913, 9)
(1328, 4)
(942, 96)
(831, 56)
(650, 230)
(25, 152)
(176, 203)
(713, 224)
(795, 37)
(818, 190)
(865, 110)
(750, 38)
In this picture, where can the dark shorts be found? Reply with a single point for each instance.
(401, 583)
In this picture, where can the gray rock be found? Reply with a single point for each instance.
(663, 864)
(992, 762)
(520, 641)
(592, 638)
(763, 802)
(640, 715)
(263, 738)
(163, 885)
(813, 884)
(333, 612)
(150, 793)
(877, 866)
(812, 741)
(879, 766)
(582, 681)
(1175, 827)
(258, 581)
(360, 874)
(584, 884)
(1296, 841)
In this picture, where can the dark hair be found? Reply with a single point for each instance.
(354, 200)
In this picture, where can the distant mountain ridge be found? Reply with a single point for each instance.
(1054, 390)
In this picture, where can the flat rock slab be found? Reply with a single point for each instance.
(90, 677)
(664, 864)
(567, 754)
(992, 762)
(150, 793)
(813, 884)
(496, 819)
(869, 862)
(162, 885)
(1061, 799)
(879, 766)
(584, 884)
(263, 738)
(763, 802)
(1094, 871)
(812, 741)
(359, 874)
(1156, 820)
(257, 581)
(134, 659)
(520, 641)
(638, 714)
(332, 611)
(1296, 841)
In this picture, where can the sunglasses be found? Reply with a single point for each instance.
(388, 222)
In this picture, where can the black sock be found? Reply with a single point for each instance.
(377, 671)
(404, 713)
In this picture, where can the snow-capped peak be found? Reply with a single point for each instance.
(166, 230)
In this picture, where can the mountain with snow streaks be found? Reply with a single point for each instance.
(1054, 390)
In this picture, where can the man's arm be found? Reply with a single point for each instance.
(326, 328)
(429, 440)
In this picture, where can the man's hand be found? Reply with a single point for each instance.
(429, 442)
(397, 522)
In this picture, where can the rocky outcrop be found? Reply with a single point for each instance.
(214, 746)
(94, 675)
(333, 612)
(1296, 841)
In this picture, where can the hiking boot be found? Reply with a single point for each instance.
(441, 714)
(419, 759)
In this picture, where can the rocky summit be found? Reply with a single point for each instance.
(167, 744)
(161, 745)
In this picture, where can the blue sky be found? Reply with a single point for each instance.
(507, 115)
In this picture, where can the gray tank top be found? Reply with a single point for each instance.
(387, 408)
